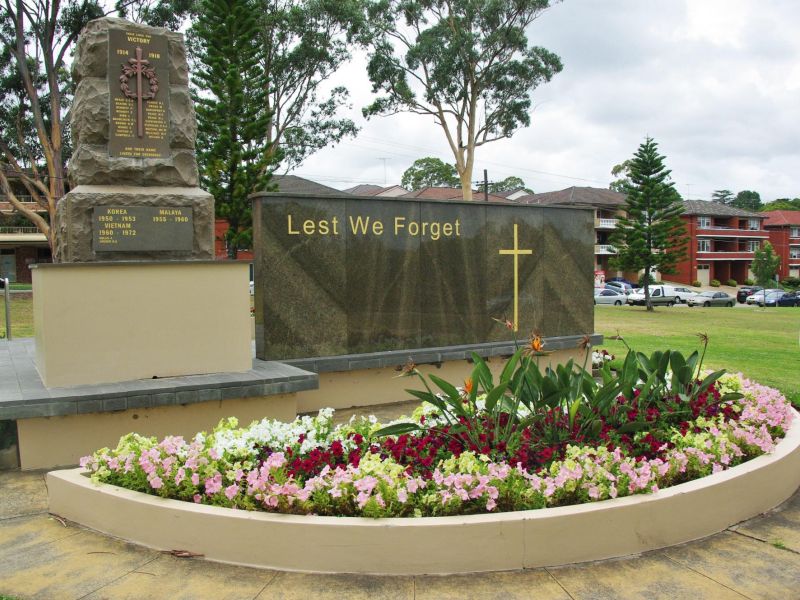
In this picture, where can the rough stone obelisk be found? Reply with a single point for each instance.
(133, 172)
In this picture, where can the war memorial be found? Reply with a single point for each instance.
(139, 330)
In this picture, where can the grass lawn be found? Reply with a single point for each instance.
(762, 343)
(21, 315)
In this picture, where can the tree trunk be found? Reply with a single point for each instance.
(466, 183)
(647, 301)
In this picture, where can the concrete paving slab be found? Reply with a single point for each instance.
(780, 527)
(22, 493)
(19, 534)
(771, 573)
(652, 576)
(303, 586)
(186, 579)
(71, 567)
(512, 585)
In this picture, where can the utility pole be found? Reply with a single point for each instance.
(485, 185)
(384, 159)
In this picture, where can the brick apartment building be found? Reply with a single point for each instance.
(783, 227)
(20, 245)
(722, 241)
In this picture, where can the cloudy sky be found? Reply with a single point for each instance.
(715, 82)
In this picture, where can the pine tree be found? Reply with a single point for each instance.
(231, 115)
(652, 235)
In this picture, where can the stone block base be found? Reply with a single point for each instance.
(74, 221)
(105, 323)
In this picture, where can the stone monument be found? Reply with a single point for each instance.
(134, 288)
(133, 173)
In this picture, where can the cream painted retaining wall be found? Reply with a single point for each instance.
(369, 387)
(49, 442)
(525, 539)
(110, 322)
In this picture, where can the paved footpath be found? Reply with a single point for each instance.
(41, 557)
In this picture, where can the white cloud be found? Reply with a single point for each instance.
(714, 82)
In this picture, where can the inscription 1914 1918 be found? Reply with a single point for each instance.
(138, 71)
(142, 228)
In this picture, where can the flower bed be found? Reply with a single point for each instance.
(524, 443)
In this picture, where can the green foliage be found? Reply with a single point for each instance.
(782, 204)
(697, 283)
(468, 64)
(749, 281)
(731, 283)
(429, 172)
(651, 236)
(722, 196)
(622, 173)
(714, 283)
(303, 42)
(8, 434)
(649, 279)
(509, 184)
(791, 282)
(747, 200)
(765, 265)
(231, 110)
(157, 13)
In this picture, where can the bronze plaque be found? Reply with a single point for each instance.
(138, 79)
(142, 228)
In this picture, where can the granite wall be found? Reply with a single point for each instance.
(347, 275)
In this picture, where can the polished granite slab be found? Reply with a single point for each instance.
(345, 275)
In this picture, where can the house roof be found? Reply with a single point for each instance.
(298, 185)
(390, 191)
(448, 193)
(584, 196)
(777, 218)
(716, 209)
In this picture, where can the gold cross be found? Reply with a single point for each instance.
(516, 252)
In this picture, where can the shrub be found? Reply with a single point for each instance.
(749, 281)
(696, 283)
(715, 283)
(791, 282)
(731, 282)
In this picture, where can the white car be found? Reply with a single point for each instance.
(758, 297)
(252, 288)
(609, 297)
(659, 294)
(684, 294)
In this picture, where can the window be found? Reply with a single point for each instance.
(753, 245)
(656, 293)
(704, 245)
(795, 232)
(704, 222)
(754, 224)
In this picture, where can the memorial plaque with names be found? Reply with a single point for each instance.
(142, 228)
(138, 73)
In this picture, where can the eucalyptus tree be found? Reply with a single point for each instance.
(466, 64)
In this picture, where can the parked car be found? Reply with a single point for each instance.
(252, 288)
(625, 288)
(758, 297)
(659, 294)
(790, 299)
(743, 293)
(712, 299)
(772, 298)
(684, 294)
(609, 297)
(621, 280)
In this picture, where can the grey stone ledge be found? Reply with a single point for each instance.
(398, 358)
(23, 395)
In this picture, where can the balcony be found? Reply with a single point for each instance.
(604, 249)
(605, 223)
(725, 255)
(718, 231)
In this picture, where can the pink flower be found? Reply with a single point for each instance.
(156, 483)
(195, 479)
(402, 495)
(197, 498)
(214, 484)
(231, 491)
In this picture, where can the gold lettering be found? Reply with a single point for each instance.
(377, 228)
(335, 222)
(435, 231)
(399, 223)
(359, 223)
(323, 228)
(308, 227)
(447, 229)
(458, 233)
(289, 229)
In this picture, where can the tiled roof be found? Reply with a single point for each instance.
(293, 184)
(364, 190)
(447, 193)
(716, 209)
(776, 218)
(585, 196)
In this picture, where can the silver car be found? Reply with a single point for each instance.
(712, 299)
(609, 297)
